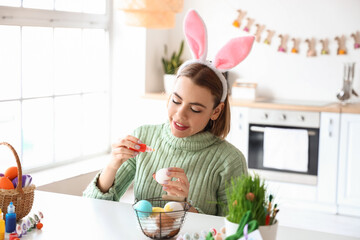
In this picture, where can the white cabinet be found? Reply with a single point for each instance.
(239, 129)
(349, 165)
(328, 160)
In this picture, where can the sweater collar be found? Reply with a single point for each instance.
(195, 142)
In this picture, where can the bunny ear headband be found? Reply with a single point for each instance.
(234, 52)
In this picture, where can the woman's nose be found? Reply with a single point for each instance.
(182, 112)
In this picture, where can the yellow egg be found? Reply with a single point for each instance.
(156, 211)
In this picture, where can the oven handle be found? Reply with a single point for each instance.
(262, 129)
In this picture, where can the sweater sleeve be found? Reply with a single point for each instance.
(236, 168)
(123, 178)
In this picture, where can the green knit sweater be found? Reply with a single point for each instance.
(208, 161)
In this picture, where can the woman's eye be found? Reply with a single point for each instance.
(175, 101)
(195, 111)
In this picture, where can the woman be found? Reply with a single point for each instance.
(191, 144)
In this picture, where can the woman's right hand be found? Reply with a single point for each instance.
(121, 151)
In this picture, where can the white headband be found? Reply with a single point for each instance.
(212, 67)
(230, 55)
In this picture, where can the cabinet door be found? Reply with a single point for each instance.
(239, 130)
(349, 165)
(328, 159)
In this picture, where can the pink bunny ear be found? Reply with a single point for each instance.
(195, 33)
(234, 52)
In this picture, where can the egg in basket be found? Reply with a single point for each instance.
(160, 218)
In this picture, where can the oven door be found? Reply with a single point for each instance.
(255, 154)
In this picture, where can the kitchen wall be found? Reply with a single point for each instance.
(279, 75)
(138, 51)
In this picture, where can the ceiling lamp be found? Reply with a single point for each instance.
(150, 13)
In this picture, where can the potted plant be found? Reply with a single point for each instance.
(170, 66)
(249, 193)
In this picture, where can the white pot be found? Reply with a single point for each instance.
(169, 82)
(267, 232)
(230, 227)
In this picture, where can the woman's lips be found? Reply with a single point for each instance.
(179, 126)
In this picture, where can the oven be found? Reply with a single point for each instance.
(261, 121)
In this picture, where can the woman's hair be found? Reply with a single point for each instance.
(203, 76)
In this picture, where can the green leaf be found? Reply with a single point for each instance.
(171, 65)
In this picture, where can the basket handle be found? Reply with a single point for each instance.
(19, 186)
(173, 198)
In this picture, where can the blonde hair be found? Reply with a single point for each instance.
(203, 76)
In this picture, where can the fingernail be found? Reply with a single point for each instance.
(165, 182)
(139, 141)
(164, 188)
(168, 173)
(137, 147)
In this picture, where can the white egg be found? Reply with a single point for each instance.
(173, 206)
(161, 176)
(170, 207)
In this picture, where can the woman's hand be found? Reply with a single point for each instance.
(180, 187)
(120, 152)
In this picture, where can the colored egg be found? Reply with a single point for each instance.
(39, 225)
(164, 222)
(173, 206)
(218, 236)
(161, 176)
(187, 236)
(143, 208)
(5, 183)
(26, 181)
(11, 172)
(196, 236)
(156, 211)
(170, 207)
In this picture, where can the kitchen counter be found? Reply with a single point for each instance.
(73, 217)
(283, 105)
(351, 108)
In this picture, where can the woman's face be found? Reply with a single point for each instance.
(190, 108)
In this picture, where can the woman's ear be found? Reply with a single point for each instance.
(216, 112)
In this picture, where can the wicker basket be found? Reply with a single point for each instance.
(22, 198)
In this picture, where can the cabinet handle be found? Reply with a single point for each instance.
(330, 127)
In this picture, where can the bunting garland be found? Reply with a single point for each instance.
(284, 38)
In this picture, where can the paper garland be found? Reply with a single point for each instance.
(284, 38)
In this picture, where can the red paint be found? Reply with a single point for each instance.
(143, 148)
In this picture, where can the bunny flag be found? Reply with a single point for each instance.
(234, 52)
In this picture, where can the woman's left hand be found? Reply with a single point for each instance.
(180, 187)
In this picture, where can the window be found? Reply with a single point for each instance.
(54, 80)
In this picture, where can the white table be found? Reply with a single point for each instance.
(72, 217)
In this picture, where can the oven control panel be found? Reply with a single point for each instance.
(284, 117)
